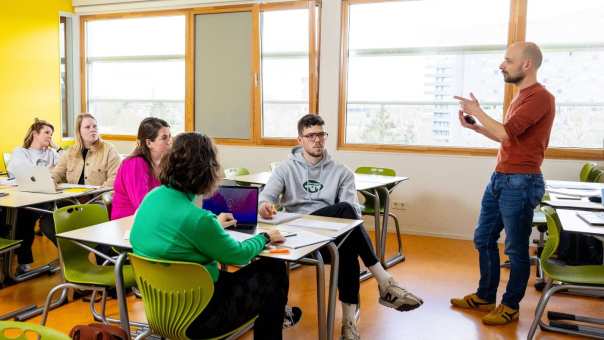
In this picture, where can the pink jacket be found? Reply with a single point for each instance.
(133, 181)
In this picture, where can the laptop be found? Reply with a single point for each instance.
(593, 218)
(35, 179)
(240, 201)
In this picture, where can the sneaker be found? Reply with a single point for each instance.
(292, 316)
(472, 301)
(394, 296)
(502, 315)
(350, 331)
(23, 268)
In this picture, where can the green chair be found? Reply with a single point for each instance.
(368, 204)
(599, 176)
(588, 172)
(14, 330)
(174, 294)
(6, 160)
(78, 271)
(8, 245)
(231, 173)
(587, 278)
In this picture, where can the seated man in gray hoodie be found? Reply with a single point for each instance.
(310, 182)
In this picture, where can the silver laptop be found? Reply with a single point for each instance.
(35, 179)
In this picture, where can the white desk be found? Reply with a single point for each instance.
(558, 200)
(112, 233)
(26, 200)
(370, 185)
(572, 223)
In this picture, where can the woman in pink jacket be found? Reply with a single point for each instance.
(138, 173)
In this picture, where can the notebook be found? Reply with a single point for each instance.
(240, 201)
(279, 217)
(592, 217)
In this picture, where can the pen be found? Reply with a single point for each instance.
(290, 235)
(570, 198)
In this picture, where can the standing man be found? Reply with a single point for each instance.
(516, 186)
(310, 182)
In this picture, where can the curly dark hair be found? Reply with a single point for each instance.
(191, 166)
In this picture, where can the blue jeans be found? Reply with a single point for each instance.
(508, 203)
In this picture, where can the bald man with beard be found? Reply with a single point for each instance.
(516, 186)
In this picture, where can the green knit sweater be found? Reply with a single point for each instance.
(169, 226)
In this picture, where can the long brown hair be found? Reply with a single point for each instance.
(148, 129)
(79, 142)
(37, 126)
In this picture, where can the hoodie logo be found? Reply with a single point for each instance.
(312, 186)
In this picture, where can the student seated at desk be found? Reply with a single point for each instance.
(170, 225)
(139, 172)
(37, 150)
(89, 161)
(310, 182)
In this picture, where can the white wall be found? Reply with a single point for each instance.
(442, 197)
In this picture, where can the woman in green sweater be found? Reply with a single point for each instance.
(170, 225)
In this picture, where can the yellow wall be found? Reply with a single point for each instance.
(29, 67)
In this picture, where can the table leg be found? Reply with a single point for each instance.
(378, 234)
(333, 285)
(321, 317)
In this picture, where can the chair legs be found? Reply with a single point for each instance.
(399, 256)
(63, 287)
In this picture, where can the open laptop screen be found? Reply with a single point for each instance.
(242, 202)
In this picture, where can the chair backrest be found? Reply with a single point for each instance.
(74, 217)
(14, 330)
(231, 173)
(586, 174)
(372, 170)
(6, 159)
(174, 293)
(599, 176)
(553, 239)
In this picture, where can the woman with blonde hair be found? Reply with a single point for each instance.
(90, 160)
(37, 150)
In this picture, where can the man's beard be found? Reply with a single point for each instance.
(513, 80)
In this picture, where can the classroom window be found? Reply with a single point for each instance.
(66, 74)
(135, 68)
(570, 36)
(285, 71)
(405, 63)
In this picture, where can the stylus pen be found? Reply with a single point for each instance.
(292, 234)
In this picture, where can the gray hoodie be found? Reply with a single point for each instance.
(306, 188)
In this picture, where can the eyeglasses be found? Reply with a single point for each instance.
(314, 136)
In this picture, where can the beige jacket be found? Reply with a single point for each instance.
(102, 162)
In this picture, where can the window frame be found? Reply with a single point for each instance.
(84, 65)
(256, 137)
(516, 32)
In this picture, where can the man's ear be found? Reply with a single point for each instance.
(527, 64)
(299, 140)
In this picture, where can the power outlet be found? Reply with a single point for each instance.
(397, 205)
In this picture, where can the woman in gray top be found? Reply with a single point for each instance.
(37, 150)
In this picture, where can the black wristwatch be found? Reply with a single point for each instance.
(267, 238)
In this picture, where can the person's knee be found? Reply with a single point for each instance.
(346, 209)
(517, 252)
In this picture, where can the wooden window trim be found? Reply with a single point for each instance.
(256, 137)
(516, 32)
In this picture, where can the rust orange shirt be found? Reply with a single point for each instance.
(528, 124)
